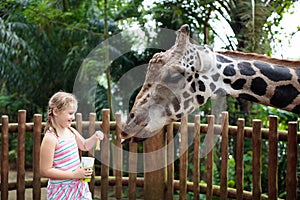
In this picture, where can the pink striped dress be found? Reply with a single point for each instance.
(66, 158)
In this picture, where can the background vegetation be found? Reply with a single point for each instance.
(44, 42)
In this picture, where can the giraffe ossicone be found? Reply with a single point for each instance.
(181, 79)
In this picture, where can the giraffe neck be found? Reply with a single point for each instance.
(259, 82)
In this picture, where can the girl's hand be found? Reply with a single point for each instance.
(99, 135)
(82, 172)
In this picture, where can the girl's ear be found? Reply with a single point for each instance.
(55, 111)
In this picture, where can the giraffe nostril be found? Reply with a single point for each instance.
(131, 115)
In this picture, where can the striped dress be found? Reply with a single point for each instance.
(66, 158)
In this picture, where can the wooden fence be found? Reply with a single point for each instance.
(161, 184)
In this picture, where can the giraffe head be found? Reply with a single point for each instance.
(172, 88)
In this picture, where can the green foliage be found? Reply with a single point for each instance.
(43, 45)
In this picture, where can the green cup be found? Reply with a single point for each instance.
(87, 162)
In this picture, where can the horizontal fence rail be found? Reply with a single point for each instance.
(161, 183)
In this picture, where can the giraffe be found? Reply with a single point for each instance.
(181, 79)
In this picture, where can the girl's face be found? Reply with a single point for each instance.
(65, 117)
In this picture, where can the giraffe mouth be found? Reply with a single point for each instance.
(136, 137)
(155, 120)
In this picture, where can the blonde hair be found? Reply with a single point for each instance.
(60, 101)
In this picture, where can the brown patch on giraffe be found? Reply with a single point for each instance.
(254, 56)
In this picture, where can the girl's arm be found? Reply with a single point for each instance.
(46, 161)
(86, 144)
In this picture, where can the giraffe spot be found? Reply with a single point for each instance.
(246, 69)
(182, 85)
(298, 74)
(205, 77)
(212, 86)
(229, 70)
(193, 87)
(278, 73)
(259, 86)
(168, 111)
(175, 104)
(227, 81)
(186, 103)
(190, 78)
(196, 75)
(223, 59)
(201, 86)
(186, 95)
(238, 84)
(193, 69)
(248, 97)
(200, 99)
(284, 95)
(219, 66)
(215, 77)
(296, 109)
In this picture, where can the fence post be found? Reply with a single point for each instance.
(92, 125)
(272, 165)
(37, 129)
(196, 163)
(118, 157)
(4, 158)
(78, 126)
(291, 171)
(224, 167)
(209, 161)
(256, 159)
(21, 155)
(154, 181)
(170, 162)
(240, 158)
(183, 158)
(105, 154)
(132, 166)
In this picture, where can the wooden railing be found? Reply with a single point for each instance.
(161, 184)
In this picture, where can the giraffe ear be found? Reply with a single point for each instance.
(205, 58)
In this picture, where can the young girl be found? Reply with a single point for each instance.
(59, 154)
